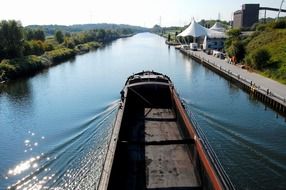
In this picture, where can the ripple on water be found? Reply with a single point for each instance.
(74, 163)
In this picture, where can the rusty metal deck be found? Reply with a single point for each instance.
(168, 165)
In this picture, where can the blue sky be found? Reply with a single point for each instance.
(135, 12)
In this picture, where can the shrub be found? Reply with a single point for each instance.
(69, 42)
(260, 27)
(48, 46)
(6, 69)
(236, 49)
(61, 54)
(11, 68)
(34, 47)
(259, 59)
(59, 36)
(279, 24)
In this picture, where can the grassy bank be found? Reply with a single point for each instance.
(17, 67)
(264, 51)
(27, 65)
(26, 50)
(274, 42)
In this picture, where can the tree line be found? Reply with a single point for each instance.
(25, 50)
(17, 41)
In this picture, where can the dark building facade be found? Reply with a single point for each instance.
(247, 16)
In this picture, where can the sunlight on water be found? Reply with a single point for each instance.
(80, 159)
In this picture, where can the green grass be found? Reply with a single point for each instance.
(274, 41)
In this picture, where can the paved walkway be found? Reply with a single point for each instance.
(276, 89)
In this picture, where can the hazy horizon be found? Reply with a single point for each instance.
(132, 12)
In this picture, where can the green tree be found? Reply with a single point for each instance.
(29, 34)
(101, 35)
(59, 36)
(237, 49)
(11, 39)
(39, 35)
(35, 35)
(69, 43)
(234, 33)
(34, 47)
(234, 45)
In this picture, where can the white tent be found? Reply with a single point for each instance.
(197, 30)
(215, 34)
(218, 27)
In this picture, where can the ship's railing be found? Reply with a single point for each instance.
(208, 148)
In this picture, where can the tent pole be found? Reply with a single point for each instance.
(178, 39)
(185, 40)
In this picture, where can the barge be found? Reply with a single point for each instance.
(154, 144)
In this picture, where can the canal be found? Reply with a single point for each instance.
(54, 126)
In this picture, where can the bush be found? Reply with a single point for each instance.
(61, 54)
(20, 67)
(259, 59)
(48, 46)
(261, 27)
(34, 47)
(6, 70)
(280, 24)
(59, 36)
(69, 42)
(236, 49)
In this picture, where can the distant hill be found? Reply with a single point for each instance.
(50, 29)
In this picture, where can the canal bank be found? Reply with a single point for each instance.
(266, 90)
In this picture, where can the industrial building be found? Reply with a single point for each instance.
(247, 16)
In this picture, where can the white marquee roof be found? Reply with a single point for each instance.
(218, 27)
(194, 29)
(197, 30)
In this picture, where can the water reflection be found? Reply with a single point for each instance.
(18, 92)
(75, 162)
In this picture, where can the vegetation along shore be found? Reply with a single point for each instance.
(262, 49)
(27, 50)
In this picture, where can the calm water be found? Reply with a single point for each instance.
(54, 127)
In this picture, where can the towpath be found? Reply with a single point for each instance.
(269, 86)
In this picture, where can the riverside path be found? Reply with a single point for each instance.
(269, 88)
